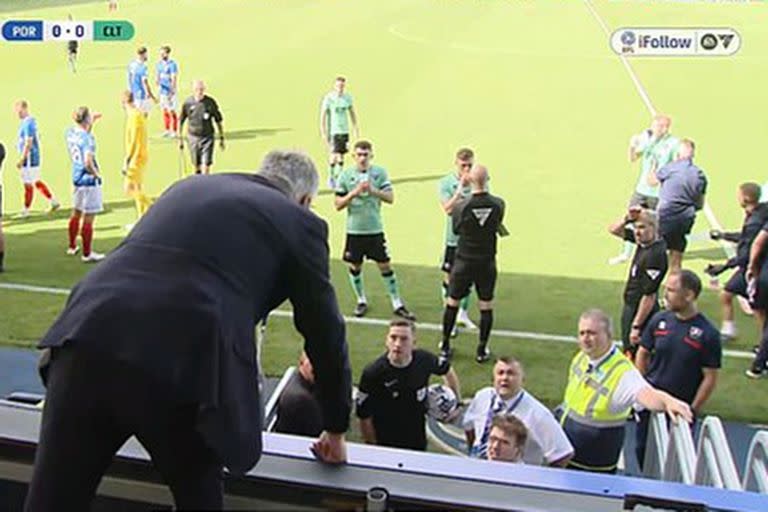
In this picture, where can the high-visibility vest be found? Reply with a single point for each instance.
(587, 404)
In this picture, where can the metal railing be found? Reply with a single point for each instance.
(656, 447)
(670, 455)
(681, 454)
(756, 469)
(715, 466)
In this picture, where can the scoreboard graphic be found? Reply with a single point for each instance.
(20, 31)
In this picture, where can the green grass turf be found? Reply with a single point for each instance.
(532, 86)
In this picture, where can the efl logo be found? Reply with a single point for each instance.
(675, 42)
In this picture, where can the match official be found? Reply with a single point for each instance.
(158, 340)
(477, 221)
(202, 111)
(649, 266)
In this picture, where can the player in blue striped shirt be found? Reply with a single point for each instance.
(138, 81)
(167, 72)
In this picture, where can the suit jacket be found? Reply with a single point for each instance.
(179, 298)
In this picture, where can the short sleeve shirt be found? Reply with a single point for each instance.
(166, 69)
(396, 398)
(446, 189)
(546, 443)
(201, 115)
(80, 144)
(655, 154)
(137, 72)
(338, 112)
(649, 266)
(364, 211)
(28, 130)
(680, 350)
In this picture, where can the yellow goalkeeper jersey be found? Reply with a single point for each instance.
(136, 139)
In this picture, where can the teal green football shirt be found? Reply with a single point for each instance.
(364, 211)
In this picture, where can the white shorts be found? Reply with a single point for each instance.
(88, 199)
(144, 105)
(168, 101)
(30, 175)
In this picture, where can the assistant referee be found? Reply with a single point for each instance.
(202, 111)
(477, 221)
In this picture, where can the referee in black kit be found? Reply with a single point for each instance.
(201, 110)
(649, 266)
(478, 222)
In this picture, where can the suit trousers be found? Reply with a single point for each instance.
(93, 405)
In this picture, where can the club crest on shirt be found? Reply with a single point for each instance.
(663, 324)
(695, 332)
(653, 273)
(421, 394)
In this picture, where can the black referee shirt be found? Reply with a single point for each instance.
(200, 115)
(396, 398)
(477, 221)
(649, 266)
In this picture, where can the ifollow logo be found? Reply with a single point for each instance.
(675, 42)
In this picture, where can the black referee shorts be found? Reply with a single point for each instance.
(340, 143)
(201, 150)
(359, 247)
(466, 273)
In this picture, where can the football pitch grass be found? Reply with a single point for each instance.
(531, 85)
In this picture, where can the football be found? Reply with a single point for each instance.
(442, 404)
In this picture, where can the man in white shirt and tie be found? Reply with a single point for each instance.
(546, 443)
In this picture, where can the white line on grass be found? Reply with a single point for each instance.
(380, 322)
(708, 213)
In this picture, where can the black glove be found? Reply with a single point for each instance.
(715, 270)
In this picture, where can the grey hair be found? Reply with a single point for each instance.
(293, 170)
(602, 317)
(650, 217)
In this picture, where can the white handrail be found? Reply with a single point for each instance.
(756, 468)
(715, 466)
(681, 455)
(656, 446)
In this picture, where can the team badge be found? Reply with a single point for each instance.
(695, 332)
(663, 324)
(421, 394)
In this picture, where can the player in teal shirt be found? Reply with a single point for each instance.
(452, 189)
(335, 113)
(360, 190)
(655, 148)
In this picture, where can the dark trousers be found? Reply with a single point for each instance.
(628, 313)
(93, 405)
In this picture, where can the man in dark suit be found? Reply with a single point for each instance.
(158, 340)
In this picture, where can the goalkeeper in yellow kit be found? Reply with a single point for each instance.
(135, 154)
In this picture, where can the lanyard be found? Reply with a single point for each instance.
(493, 409)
